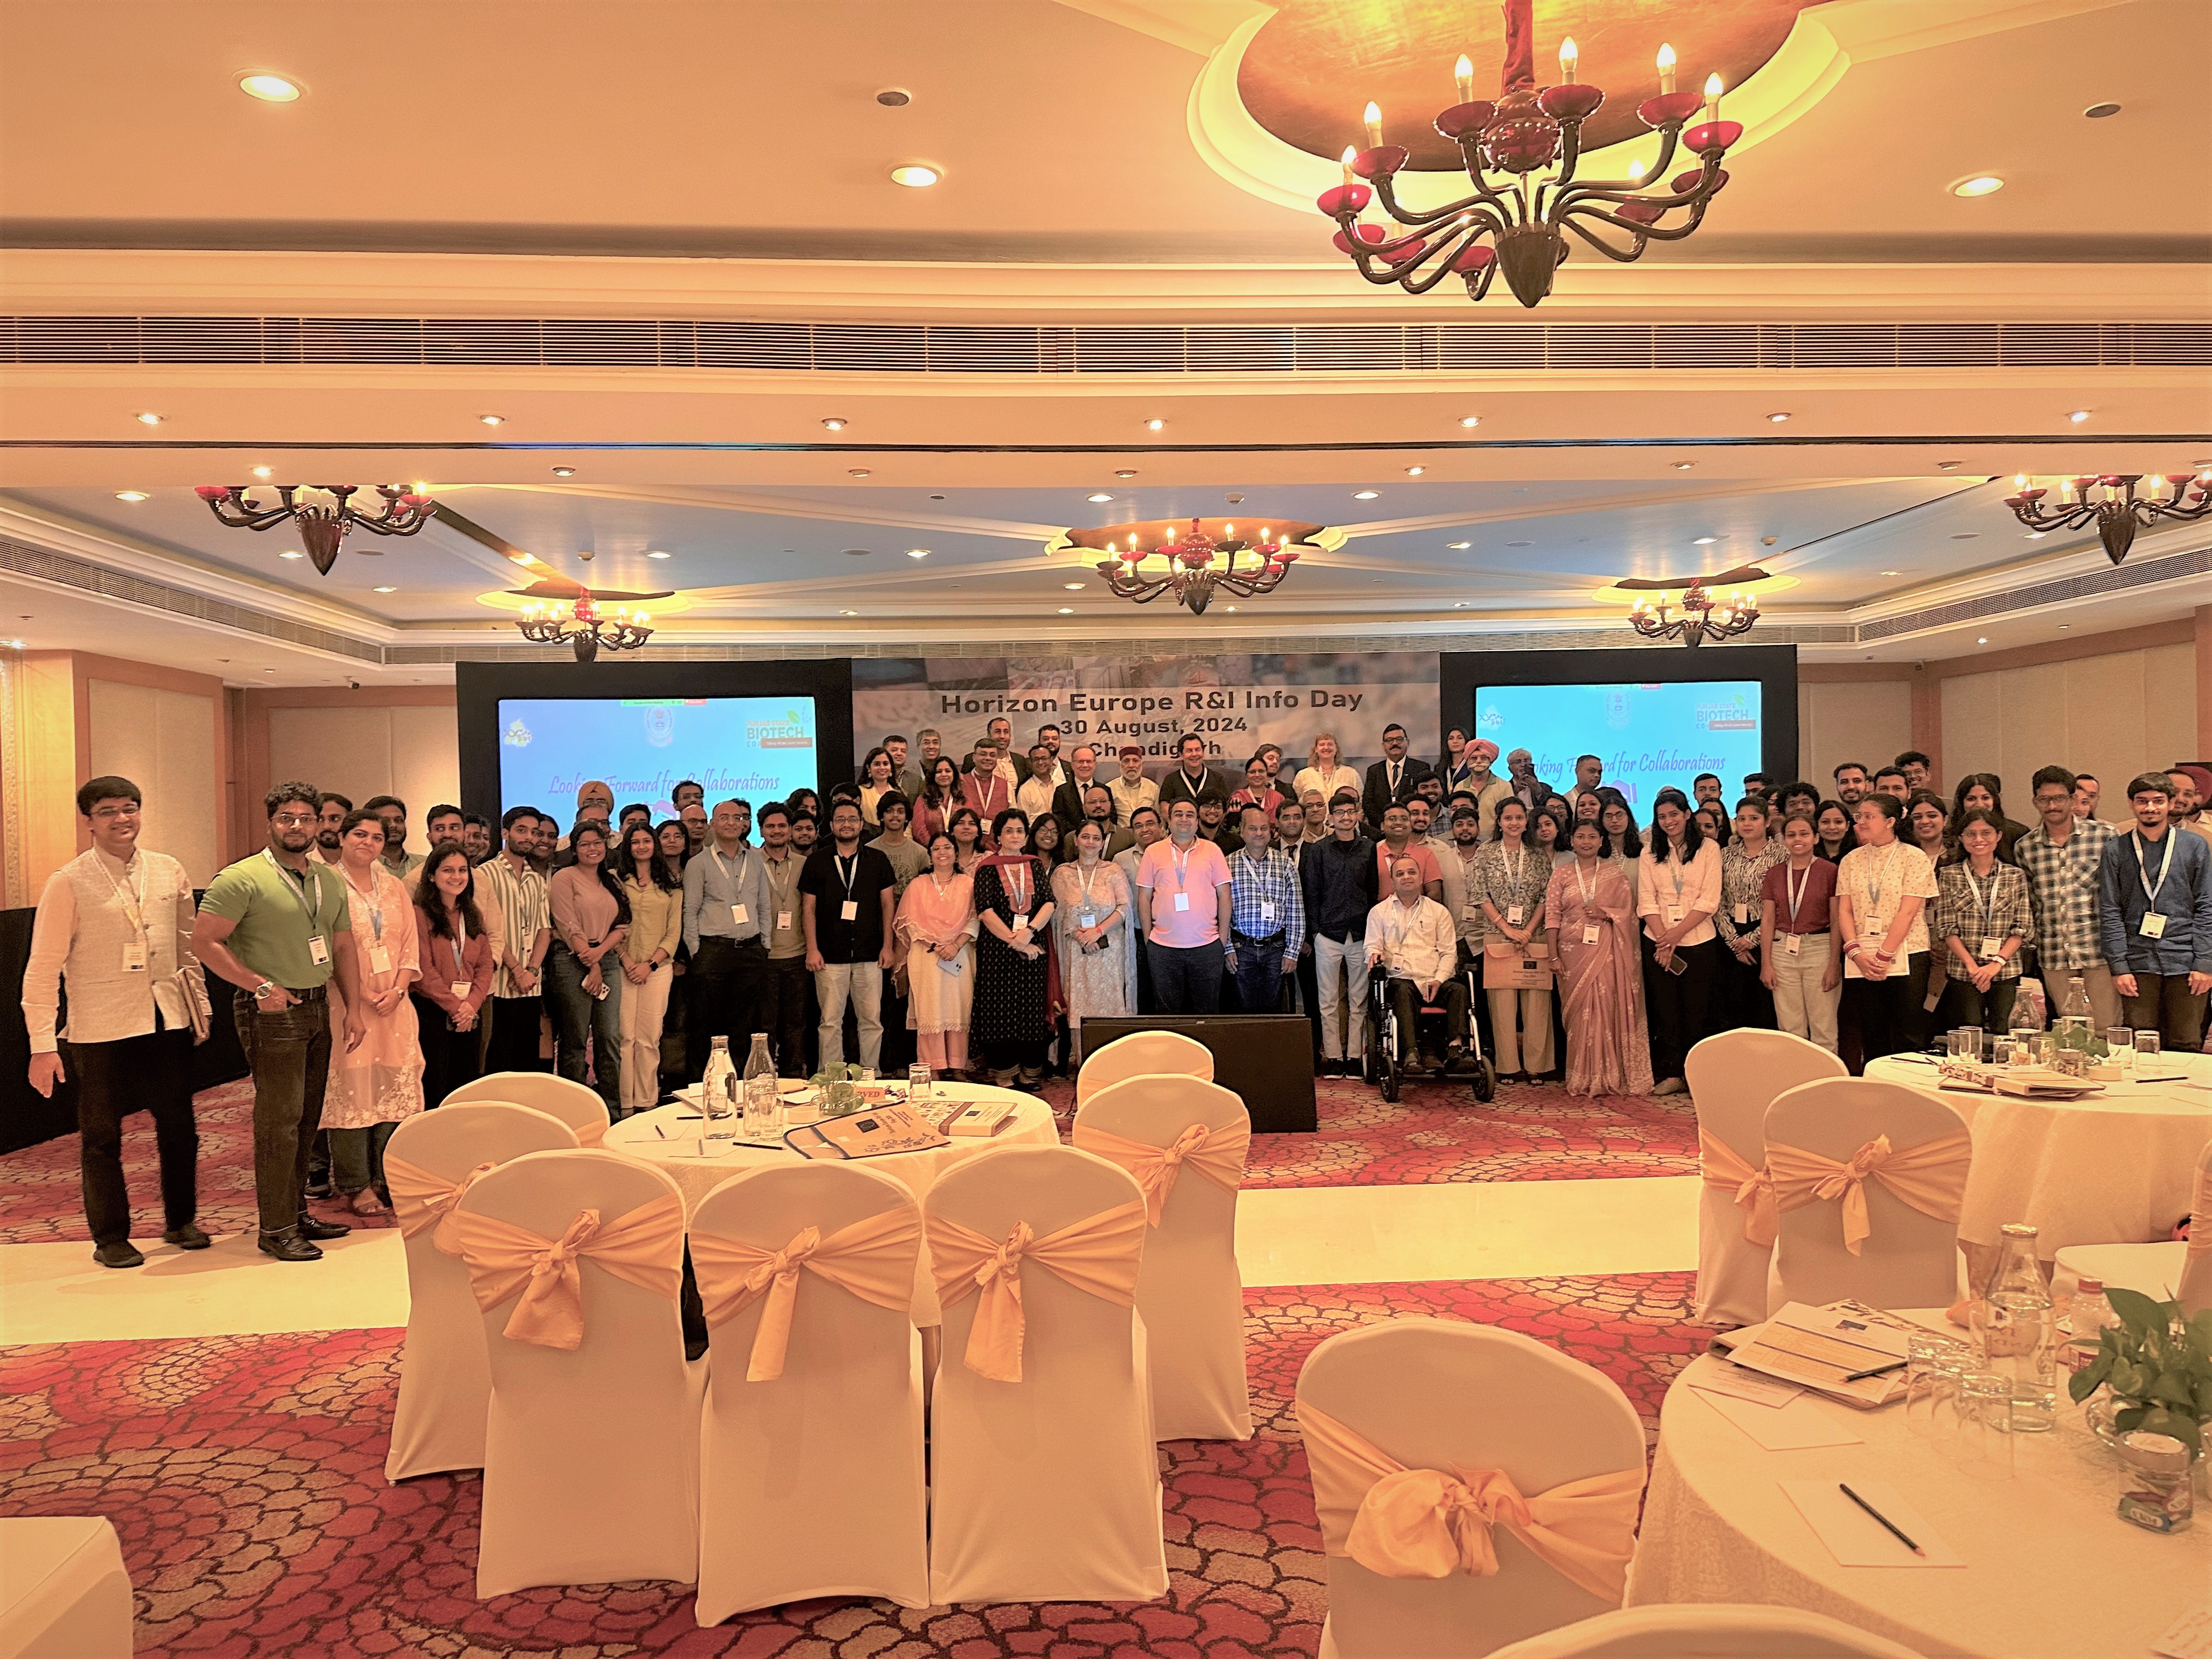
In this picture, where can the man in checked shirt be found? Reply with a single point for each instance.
(2061, 855)
(1267, 912)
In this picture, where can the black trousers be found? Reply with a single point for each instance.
(1186, 979)
(1679, 1004)
(785, 985)
(1890, 1015)
(289, 1050)
(1740, 999)
(1992, 1009)
(114, 1079)
(514, 1035)
(1310, 991)
(725, 982)
(2162, 1003)
(1405, 1003)
(449, 1057)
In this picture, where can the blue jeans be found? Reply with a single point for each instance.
(578, 1015)
(1259, 973)
(1186, 980)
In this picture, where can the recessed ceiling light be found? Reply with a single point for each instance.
(1780, 415)
(2062, 627)
(147, 418)
(895, 98)
(1520, 543)
(1981, 183)
(1365, 495)
(1470, 422)
(1947, 466)
(1459, 605)
(1099, 496)
(1125, 472)
(384, 590)
(834, 422)
(2077, 415)
(1892, 573)
(856, 471)
(1459, 547)
(17, 645)
(129, 495)
(2099, 112)
(291, 555)
(1073, 587)
(1415, 472)
(848, 613)
(1704, 541)
(2034, 536)
(264, 471)
(1684, 467)
(857, 552)
(915, 176)
(1965, 535)
(917, 552)
(1067, 611)
(1984, 639)
(493, 420)
(1229, 607)
(564, 472)
(1156, 424)
(269, 88)
(656, 554)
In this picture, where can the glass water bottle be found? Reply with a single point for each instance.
(718, 1096)
(760, 1092)
(2019, 1332)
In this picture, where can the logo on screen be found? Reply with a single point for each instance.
(1616, 708)
(1491, 720)
(518, 735)
(660, 727)
(789, 732)
(1731, 715)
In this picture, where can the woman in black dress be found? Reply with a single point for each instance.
(1015, 967)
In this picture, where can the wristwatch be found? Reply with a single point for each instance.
(263, 989)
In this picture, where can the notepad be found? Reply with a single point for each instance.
(2189, 1637)
(1823, 1347)
(1740, 1384)
(1797, 1425)
(1855, 1538)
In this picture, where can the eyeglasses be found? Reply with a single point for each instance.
(126, 811)
(294, 820)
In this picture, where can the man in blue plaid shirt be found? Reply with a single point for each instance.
(2061, 855)
(1267, 915)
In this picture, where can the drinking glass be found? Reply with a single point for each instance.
(2121, 1040)
(868, 1074)
(1966, 1043)
(1934, 1363)
(1982, 1439)
(2147, 1046)
(917, 1082)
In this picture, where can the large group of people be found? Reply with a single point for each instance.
(940, 910)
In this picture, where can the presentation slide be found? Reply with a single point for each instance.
(759, 748)
(1648, 736)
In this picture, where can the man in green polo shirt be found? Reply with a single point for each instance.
(276, 925)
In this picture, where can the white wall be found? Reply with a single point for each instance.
(1870, 722)
(2116, 715)
(410, 752)
(164, 741)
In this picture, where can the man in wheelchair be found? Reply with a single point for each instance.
(1410, 937)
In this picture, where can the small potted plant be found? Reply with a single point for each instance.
(840, 1086)
(2158, 1367)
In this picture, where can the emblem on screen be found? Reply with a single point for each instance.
(1491, 720)
(1616, 708)
(518, 735)
(660, 727)
(789, 732)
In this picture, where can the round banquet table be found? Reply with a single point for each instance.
(2115, 1168)
(2050, 1572)
(676, 1156)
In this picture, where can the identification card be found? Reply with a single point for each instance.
(849, 910)
(1990, 947)
(740, 916)
(319, 952)
(1516, 914)
(1792, 944)
(379, 959)
(1183, 901)
(1267, 912)
(1021, 918)
(2153, 926)
(461, 988)
(783, 921)
(134, 957)
(1743, 915)
(1086, 918)
(1590, 933)
(1674, 913)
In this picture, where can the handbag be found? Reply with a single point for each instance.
(192, 987)
(1510, 967)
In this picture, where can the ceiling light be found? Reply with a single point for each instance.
(1981, 183)
(147, 418)
(1780, 415)
(264, 471)
(1229, 607)
(1415, 472)
(129, 495)
(1365, 495)
(895, 98)
(848, 613)
(492, 420)
(523, 558)
(291, 555)
(656, 554)
(384, 590)
(2077, 415)
(1156, 424)
(858, 552)
(1470, 422)
(856, 471)
(1067, 611)
(1459, 547)
(564, 472)
(917, 552)
(834, 422)
(1684, 467)
(1704, 541)
(1520, 543)
(2035, 535)
(1073, 587)
(1125, 472)
(915, 176)
(2062, 627)
(1099, 496)
(1984, 639)
(1892, 573)
(1965, 535)
(269, 88)
(13, 645)
(2099, 112)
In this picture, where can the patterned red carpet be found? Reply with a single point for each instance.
(1531, 1132)
(246, 1477)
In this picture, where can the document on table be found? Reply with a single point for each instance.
(1822, 1347)
(1795, 1426)
(2189, 1637)
(1855, 1538)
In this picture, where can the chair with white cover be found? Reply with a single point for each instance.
(592, 1443)
(2173, 1269)
(1141, 1054)
(1708, 1630)
(812, 1476)
(1734, 1077)
(1474, 1487)
(1184, 1140)
(64, 1592)
(1045, 1483)
(575, 1105)
(1869, 1178)
(445, 1378)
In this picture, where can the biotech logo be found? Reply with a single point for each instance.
(789, 732)
(1491, 720)
(660, 727)
(518, 735)
(1732, 713)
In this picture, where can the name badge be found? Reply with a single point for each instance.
(2152, 925)
(318, 952)
(783, 921)
(1743, 915)
(461, 988)
(1792, 943)
(1183, 901)
(1514, 916)
(1267, 912)
(849, 910)
(1021, 918)
(1590, 933)
(1674, 913)
(1990, 947)
(1086, 918)
(379, 959)
(740, 916)
(134, 957)
(1875, 931)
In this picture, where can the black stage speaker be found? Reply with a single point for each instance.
(1268, 1059)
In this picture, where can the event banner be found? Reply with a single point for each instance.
(1649, 735)
(1236, 701)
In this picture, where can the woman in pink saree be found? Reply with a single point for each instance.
(1589, 909)
(937, 925)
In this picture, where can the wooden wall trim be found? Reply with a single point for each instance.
(2180, 631)
(257, 701)
(1853, 673)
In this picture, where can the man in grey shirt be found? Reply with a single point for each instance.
(786, 988)
(725, 918)
(908, 860)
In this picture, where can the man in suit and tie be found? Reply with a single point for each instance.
(1390, 781)
(1192, 780)
(1067, 800)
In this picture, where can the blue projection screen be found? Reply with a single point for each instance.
(756, 747)
(1648, 735)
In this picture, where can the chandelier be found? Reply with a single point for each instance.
(1190, 565)
(321, 513)
(577, 622)
(1519, 222)
(1696, 615)
(2109, 501)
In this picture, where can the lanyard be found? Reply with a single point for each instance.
(1589, 889)
(1876, 878)
(370, 904)
(298, 891)
(845, 875)
(1514, 870)
(1675, 864)
(1797, 890)
(1018, 888)
(2142, 866)
(1987, 906)
(1086, 879)
(737, 882)
(132, 898)
(1182, 859)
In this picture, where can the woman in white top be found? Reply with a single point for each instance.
(1882, 889)
(1325, 770)
(1678, 889)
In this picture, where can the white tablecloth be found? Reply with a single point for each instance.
(2116, 1168)
(2052, 1572)
(676, 1156)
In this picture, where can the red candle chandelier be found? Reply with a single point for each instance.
(578, 623)
(2110, 501)
(1521, 221)
(1696, 615)
(322, 513)
(1191, 564)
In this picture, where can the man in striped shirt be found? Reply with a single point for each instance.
(525, 932)
(2061, 855)
(1267, 914)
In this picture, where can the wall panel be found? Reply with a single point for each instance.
(359, 751)
(166, 742)
(1869, 721)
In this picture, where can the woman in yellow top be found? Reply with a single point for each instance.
(648, 952)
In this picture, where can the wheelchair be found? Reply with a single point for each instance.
(1389, 1056)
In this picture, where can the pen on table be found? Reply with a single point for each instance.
(1876, 1370)
(662, 1133)
(1888, 1525)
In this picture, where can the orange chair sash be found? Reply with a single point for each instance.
(593, 1133)
(1931, 1178)
(873, 1259)
(1215, 1154)
(1098, 1255)
(421, 1199)
(1404, 1522)
(644, 1248)
(1723, 1166)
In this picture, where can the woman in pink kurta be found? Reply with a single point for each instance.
(1589, 911)
(375, 1086)
(937, 925)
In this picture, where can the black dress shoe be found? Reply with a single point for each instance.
(187, 1237)
(289, 1246)
(121, 1254)
(309, 1227)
